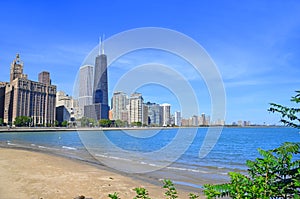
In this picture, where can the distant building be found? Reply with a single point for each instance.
(207, 120)
(71, 105)
(240, 123)
(166, 114)
(203, 120)
(172, 120)
(93, 111)
(110, 115)
(62, 114)
(62, 99)
(154, 114)
(220, 122)
(2, 98)
(125, 114)
(177, 118)
(119, 105)
(243, 123)
(145, 115)
(194, 120)
(24, 97)
(136, 108)
(247, 123)
(85, 91)
(185, 122)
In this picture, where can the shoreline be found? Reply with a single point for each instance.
(27, 174)
(49, 129)
(154, 177)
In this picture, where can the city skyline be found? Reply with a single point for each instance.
(254, 44)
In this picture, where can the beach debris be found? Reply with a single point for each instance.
(80, 197)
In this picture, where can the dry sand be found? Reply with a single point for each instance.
(33, 175)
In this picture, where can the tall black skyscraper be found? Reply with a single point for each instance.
(100, 93)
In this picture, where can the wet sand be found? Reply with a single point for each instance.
(27, 174)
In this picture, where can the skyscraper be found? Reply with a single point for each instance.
(154, 114)
(100, 83)
(24, 97)
(119, 106)
(136, 108)
(85, 92)
(145, 120)
(177, 118)
(100, 78)
(99, 109)
(166, 114)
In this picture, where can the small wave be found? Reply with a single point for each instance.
(100, 155)
(177, 168)
(32, 145)
(153, 165)
(187, 169)
(42, 147)
(112, 157)
(8, 143)
(196, 171)
(70, 148)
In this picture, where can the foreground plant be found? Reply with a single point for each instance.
(275, 175)
(141, 193)
(193, 196)
(114, 196)
(171, 192)
(289, 115)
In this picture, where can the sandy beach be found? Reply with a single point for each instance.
(27, 174)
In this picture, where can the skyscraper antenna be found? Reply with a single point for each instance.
(102, 44)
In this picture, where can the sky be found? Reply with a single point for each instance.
(255, 45)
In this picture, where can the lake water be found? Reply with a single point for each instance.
(159, 153)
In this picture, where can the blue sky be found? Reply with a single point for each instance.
(255, 44)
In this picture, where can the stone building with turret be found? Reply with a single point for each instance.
(24, 97)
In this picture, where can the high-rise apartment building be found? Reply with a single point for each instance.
(24, 97)
(204, 120)
(177, 118)
(136, 108)
(154, 114)
(145, 120)
(119, 105)
(85, 89)
(166, 114)
(195, 121)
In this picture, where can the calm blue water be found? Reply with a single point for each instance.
(115, 148)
